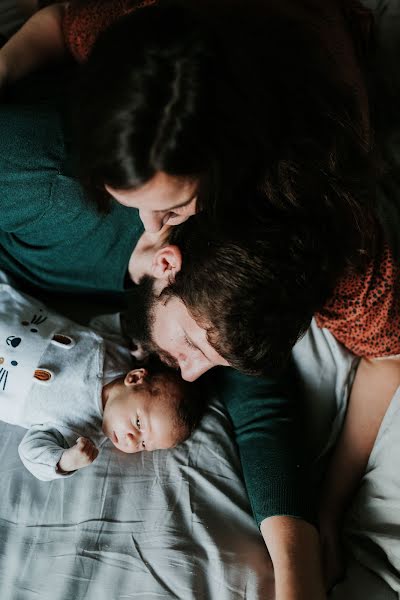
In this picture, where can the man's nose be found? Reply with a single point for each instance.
(152, 221)
(192, 369)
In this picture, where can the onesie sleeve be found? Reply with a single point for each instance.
(265, 415)
(40, 451)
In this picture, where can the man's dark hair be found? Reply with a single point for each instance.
(254, 291)
(235, 99)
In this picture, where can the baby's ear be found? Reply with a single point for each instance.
(135, 377)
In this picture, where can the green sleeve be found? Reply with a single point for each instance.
(268, 431)
(51, 237)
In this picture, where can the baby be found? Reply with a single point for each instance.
(73, 389)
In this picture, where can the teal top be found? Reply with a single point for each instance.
(266, 416)
(51, 238)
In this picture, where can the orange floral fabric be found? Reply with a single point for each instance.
(364, 311)
(83, 22)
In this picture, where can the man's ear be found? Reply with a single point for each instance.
(167, 262)
(135, 377)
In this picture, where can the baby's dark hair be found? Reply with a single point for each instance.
(187, 399)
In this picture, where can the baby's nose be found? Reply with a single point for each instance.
(131, 438)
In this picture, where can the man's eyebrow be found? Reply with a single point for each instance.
(184, 203)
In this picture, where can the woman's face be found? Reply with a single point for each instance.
(161, 200)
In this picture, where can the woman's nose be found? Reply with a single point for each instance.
(151, 220)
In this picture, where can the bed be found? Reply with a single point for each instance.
(168, 524)
(176, 524)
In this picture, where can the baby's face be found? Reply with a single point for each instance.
(134, 420)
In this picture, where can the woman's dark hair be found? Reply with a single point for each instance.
(243, 102)
(143, 101)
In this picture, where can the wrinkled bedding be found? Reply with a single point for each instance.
(176, 524)
(167, 524)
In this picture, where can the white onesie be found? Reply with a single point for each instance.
(52, 372)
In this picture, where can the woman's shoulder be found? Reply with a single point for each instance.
(84, 21)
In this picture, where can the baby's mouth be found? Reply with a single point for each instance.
(114, 437)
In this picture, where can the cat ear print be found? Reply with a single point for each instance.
(44, 376)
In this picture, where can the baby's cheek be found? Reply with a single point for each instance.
(127, 450)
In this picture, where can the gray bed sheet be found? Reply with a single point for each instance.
(168, 524)
(176, 524)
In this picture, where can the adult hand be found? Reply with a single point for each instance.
(141, 259)
(81, 455)
(294, 548)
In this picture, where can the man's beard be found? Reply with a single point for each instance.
(138, 320)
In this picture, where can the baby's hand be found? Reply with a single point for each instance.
(332, 555)
(81, 455)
